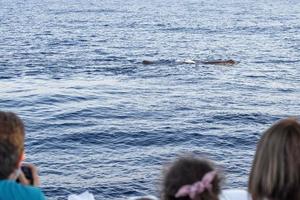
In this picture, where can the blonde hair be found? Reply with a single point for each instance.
(275, 173)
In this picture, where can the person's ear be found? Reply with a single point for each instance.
(21, 159)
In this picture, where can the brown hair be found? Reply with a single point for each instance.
(11, 142)
(275, 173)
(188, 170)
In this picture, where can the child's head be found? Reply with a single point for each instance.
(191, 179)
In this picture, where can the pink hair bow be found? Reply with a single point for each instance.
(198, 187)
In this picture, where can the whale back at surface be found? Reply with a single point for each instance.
(209, 62)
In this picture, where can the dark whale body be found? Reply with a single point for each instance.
(219, 62)
(147, 62)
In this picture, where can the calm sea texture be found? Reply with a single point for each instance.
(99, 120)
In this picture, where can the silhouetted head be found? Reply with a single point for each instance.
(275, 173)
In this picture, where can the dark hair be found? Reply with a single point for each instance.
(275, 173)
(11, 142)
(188, 170)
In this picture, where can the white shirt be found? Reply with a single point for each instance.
(143, 197)
(234, 194)
(229, 194)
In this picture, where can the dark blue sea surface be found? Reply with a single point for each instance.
(97, 119)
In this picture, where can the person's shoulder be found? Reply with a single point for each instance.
(234, 194)
(15, 190)
(35, 193)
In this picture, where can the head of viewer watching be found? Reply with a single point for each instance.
(191, 178)
(275, 173)
(11, 156)
(11, 144)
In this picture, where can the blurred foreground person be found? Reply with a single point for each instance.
(190, 178)
(11, 168)
(275, 173)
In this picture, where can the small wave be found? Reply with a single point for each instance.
(187, 29)
(83, 11)
(254, 118)
(277, 61)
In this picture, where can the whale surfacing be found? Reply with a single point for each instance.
(209, 62)
(219, 62)
(189, 62)
(147, 62)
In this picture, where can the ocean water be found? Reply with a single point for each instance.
(99, 120)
